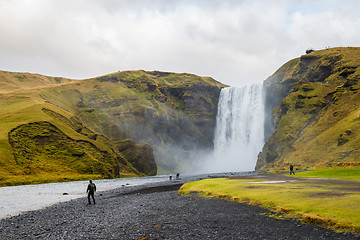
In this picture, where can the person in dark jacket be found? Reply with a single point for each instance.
(91, 189)
(292, 169)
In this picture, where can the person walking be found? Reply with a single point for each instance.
(292, 169)
(91, 189)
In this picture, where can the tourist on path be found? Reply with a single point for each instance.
(91, 189)
(292, 169)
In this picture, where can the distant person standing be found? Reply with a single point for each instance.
(91, 189)
(170, 177)
(292, 169)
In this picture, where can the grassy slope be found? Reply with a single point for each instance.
(333, 204)
(25, 106)
(117, 106)
(317, 123)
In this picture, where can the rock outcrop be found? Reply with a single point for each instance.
(140, 156)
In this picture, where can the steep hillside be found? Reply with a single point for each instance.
(41, 142)
(54, 129)
(174, 113)
(314, 102)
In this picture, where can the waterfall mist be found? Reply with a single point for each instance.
(239, 132)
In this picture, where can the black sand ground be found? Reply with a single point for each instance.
(156, 211)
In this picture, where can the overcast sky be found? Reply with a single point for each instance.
(236, 42)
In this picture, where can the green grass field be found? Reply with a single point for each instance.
(326, 197)
(352, 174)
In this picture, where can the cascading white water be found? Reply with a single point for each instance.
(239, 132)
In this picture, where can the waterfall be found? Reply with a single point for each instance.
(239, 131)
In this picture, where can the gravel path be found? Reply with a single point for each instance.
(156, 211)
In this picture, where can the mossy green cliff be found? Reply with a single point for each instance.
(314, 102)
(54, 129)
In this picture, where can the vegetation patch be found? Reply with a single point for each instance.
(275, 215)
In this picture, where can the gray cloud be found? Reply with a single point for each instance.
(236, 42)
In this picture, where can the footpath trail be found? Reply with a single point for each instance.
(157, 211)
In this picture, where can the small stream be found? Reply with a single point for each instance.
(18, 199)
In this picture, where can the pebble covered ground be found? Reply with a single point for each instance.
(157, 211)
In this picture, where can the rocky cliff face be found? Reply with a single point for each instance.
(313, 102)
